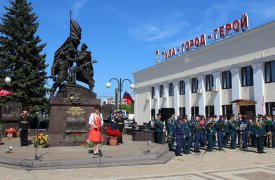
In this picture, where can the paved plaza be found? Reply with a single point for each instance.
(231, 164)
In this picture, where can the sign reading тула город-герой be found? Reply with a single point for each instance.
(203, 40)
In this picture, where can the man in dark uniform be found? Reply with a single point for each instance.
(220, 130)
(273, 131)
(159, 129)
(203, 131)
(187, 136)
(120, 125)
(210, 133)
(179, 132)
(260, 132)
(198, 130)
(226, 130)
(239, 119)
(171, 122)
(244, 131)
(24, 127)
(232, 126)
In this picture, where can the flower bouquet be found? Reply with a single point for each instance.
(41, 140)
(87, 144)
(113, 136)
(10, 133)
(113, 133)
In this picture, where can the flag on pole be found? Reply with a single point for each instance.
(128, 98)
(4, 92)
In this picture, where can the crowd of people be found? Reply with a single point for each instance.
(209, 132)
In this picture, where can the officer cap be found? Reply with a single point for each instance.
(197, 115)
(215, 116)
(185, 117)
(25, 109)
(232, 115)
(260, 115)
(119, 112)
(179, 117)
(158, 114)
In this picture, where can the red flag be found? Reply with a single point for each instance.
(4, 92)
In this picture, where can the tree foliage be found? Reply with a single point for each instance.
(21, 56)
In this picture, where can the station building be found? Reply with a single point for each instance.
(235, 74)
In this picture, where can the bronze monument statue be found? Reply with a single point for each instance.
(72, 104)
(63, 69)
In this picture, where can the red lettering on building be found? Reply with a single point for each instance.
(236, 25)
(228, 27)
(203, 43)
(197, 42)
(216, 34)
(244, 21)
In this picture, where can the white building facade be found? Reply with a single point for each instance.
(234, 75)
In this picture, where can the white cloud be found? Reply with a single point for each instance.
(152, 32)
(159, 28)
(77, 6)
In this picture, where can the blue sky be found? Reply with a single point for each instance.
(123, 35)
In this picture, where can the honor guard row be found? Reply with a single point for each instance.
(216, 131)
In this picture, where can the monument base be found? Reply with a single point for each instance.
(70, 110)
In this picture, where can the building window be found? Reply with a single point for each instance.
(209, 82)
(270, 72)
(171, 89)
(161, 91)
(209, 111)
(247, 76)
(152, 92)
(194, 111)
(153, 114)
(195, 84)
(270, 108)
(226, 80)
(182, 111)
(182, 88)
(227, 110)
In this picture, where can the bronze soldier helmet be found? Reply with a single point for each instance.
(84, 46)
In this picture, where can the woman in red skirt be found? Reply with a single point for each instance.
(95, 135)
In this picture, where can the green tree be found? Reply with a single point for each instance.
(129, 108)
(21, 56)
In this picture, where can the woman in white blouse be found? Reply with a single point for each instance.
(95, 135)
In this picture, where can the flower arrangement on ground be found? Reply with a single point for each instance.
(113, 133)
(113, 136)
(10, 133)
(41, 140)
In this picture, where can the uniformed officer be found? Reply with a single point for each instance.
(187, 136)
(232, 126)
(210, 133)
(203, 131)
(260, 133)
(120, 125)
(171, 122)
(192, 127)
(226, 130)
(179, 132)
(198, 130)
(252, 132)
(214, 130)
(24, 127)
(239, 119)
(273, 131)
(220, 130)
(244, 131)
(159, 128)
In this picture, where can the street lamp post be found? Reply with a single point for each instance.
(7, 80)
(120, 83)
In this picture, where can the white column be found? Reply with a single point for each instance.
(166, 94)
(176, 98)
(258, 77)
(201, 86)
(236, 88)
(156, 98)
(136, 104)
(217, 94)
(188, 97)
